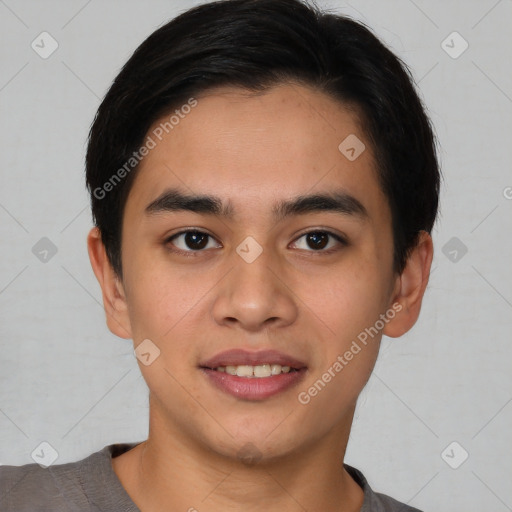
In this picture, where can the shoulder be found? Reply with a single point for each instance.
(384, 503)
(32, 487)
(86, 485)
(375, 501)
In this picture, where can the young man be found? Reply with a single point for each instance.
(263, 181)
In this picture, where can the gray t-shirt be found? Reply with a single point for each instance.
(91, 485)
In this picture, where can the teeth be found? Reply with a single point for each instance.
(276, 369)
(259, 371)
(262, 371)
(244, 371)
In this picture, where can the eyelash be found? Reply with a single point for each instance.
(193, 253)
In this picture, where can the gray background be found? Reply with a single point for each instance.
(66, 380)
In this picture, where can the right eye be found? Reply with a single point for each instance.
(190, 241)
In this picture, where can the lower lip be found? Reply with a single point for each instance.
(256, 388)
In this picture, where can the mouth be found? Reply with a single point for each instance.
(260, 371)
(253, 375)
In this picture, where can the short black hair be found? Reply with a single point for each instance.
(255, 45)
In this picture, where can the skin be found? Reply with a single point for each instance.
(253, 151)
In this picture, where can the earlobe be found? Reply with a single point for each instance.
(410, 287)
(114, 298)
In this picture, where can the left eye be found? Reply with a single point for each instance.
(319, 241)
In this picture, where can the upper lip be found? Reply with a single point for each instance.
(237, 357)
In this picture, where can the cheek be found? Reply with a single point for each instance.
(163, 297)
(348, 344)
(148, 299)
(350, 348)
(346, 352)
(352, 302)
(164, 308)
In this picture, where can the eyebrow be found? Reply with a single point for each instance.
(172, 200)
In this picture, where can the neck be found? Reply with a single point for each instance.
(171, 472)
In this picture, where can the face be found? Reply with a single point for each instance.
(259, 276)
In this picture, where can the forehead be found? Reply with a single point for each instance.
(247, 147)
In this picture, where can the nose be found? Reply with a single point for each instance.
(255, 296)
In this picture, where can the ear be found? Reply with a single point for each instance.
(114, 298)
(410, 287)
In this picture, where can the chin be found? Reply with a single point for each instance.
(255, 443)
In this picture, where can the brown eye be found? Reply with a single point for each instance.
(191, 241)
(319, 241)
